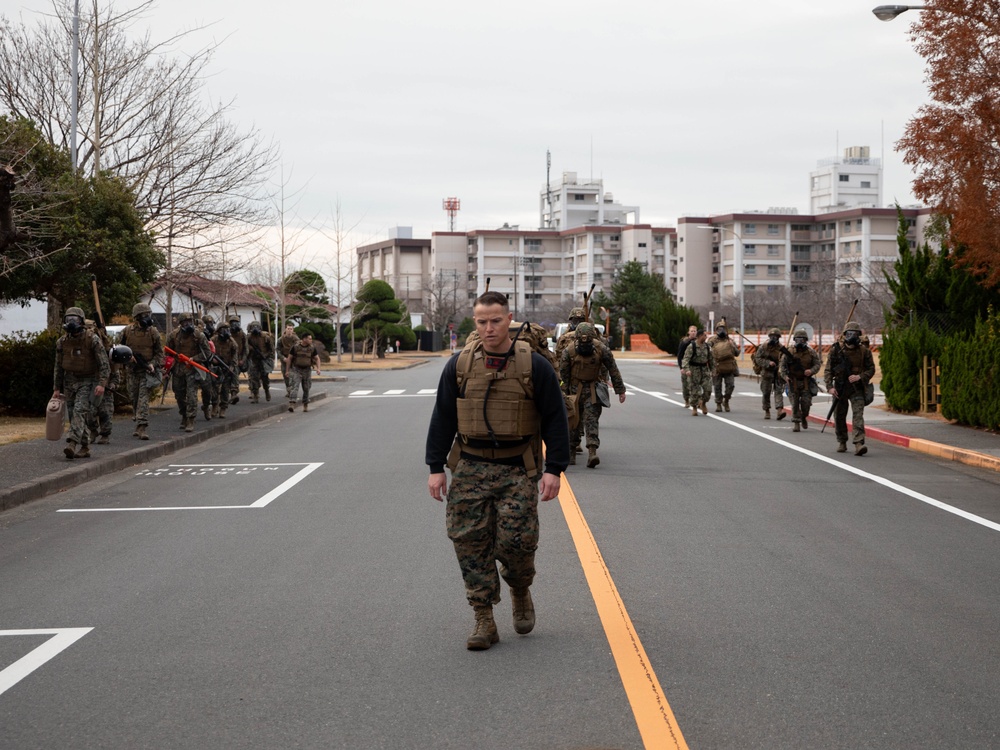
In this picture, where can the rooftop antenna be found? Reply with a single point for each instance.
(548, 186)
(452, 206)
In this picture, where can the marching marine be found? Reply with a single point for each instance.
(692, 334)
(103, 414)
(300, 363)
(260, 360)
(576, 317)
(285, 343)
(799, 367)
(190, 342)
(81, 370)
(768, 358)
(848, 371)
(580, 372)
(698, 365)
(240, 337)
(225, 363)
(143, 372)
(724, 351)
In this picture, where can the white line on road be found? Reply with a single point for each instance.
(62, 638)
(832, 462)
(264, 501)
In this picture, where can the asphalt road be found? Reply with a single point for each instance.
(291, 585)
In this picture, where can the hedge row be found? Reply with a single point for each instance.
(26, 362)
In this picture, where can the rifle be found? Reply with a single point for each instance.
(216, 359)
(188, 361)
(586, 302)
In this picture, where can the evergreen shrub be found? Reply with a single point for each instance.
(901, 357)
(970, 375)
(26, 363)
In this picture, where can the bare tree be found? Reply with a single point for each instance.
(147, 120)
(344, 274)
(445, 291)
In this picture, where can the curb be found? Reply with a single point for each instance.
(89, 469)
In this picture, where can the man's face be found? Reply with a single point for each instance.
(692, 332)
(701, 337)
(289, 330)
(493, 327)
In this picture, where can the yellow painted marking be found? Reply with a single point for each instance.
(655, 720)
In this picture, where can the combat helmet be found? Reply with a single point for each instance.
(77, 312)
(774, 332)
(585, 329)
(577, 312)
(852, 326)
(141, 308)
(800, 333)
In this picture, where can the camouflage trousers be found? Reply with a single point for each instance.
(589, 425)
(258, 376)
(79, 393)
(701, 385)
(801, 398)
(138, 395)
(857, 404)
(186, 383)
(728, 381)
(686, 388)
(771, 384)
(492, 516)
(221, 392)
(297, 376)
(102, 416)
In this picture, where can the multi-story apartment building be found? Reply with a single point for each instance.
(401, 261)
(576, 203)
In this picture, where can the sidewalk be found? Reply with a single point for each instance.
(929, 434)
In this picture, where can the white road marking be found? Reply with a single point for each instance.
(360, 393)
(398, 392)
(261, 503)
(844, 467)
(62, 638)
(427, 391)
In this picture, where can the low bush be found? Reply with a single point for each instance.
(26, 364)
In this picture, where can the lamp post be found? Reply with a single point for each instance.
(889, 12)
(737, 254)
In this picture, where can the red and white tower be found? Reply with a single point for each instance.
(452, 206)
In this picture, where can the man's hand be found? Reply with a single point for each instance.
(99, 390)
(437, 485)
(832, 392)
(621, 398)
(809, 373)
(853, 378)
(56, 394)
(549, 487)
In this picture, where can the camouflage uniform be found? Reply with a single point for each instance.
(260, 362)
(724, 351)
(698, 360)
(227, 350)
(81, 365)
(145, 372)
(186, 379)
(576, 317)
(580, 372)
(849, 358)
(285, 344)
(767, 358)
(302, 360)
(103, 415)
(685, 380)
(492, 503)
(240, 337)
(806, 359)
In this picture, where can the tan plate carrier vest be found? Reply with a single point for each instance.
(585, 371)
(78, 357)
(725, 360)
(302, 356)
(510, 407)
(141, 341)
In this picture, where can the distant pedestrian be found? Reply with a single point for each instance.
(301, 362)
(849, 369)
(145, 371)
(724, 351)
(768, 358)
(799, 367)
(81, 370)
(698, 365)
(285, 343)
(692, 334)
(185, 378)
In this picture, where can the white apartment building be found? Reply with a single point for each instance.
(854, 180)
(402, 262)
(573, 202)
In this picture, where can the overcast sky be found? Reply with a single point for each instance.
(687, 108)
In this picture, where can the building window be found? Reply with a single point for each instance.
(750, 270)
(772, 250)
(749, 229)
(847, 226)
(642, 244)
(773, 229)
(578, 196)
(858, 224)
(773, 271)
(616, 237)
(749, 249)
(844, 177)
(866, 184)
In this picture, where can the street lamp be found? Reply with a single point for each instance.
(736, 255)
(889, 12)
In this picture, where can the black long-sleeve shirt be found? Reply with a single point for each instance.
(548, 400)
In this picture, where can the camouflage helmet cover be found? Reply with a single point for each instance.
(585, 329)
(75, 311)
(576, 312)
(208, 320)
(184, 317)
(800, 333)
(234, 318)
(774, 331)
(852, 326)
(141, 308)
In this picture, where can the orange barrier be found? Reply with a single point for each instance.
(640, 343)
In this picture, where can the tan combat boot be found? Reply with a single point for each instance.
(305, 406)
(795, 427)
(841, 447)
(291, 406)
(485, 633)
(140, 432)
(189, 424)
(860, 449)
(704, 407)
(767, 413)
(215, 410)
(592, 459)
(70, 449)
(725, 404)
(83, 452)
(718, 406)
(524, 610)
(694, 410)
(782, 414)
(104, 440)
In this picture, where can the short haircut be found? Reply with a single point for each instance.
(701, 331)
(492, 298)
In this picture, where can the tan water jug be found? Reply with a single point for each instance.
(55, 419)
